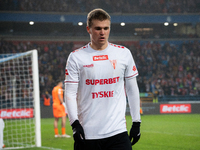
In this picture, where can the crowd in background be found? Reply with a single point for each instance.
(111, 6)
(164, 69)
(51, 60)
(168, 69)
(16, 80)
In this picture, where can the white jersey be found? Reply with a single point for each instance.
(101, 97)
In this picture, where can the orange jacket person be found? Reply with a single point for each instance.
(47, 99)
(59, 109)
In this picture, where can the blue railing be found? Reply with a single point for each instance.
(116, 18)
(178, 98)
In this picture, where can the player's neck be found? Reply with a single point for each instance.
(98, 47)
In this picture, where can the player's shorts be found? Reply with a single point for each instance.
(59, 110)
(118, 142)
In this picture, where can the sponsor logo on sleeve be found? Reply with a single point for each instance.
(66, 72)
(134, 68)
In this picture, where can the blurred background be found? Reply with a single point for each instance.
(163, 36)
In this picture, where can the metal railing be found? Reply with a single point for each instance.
(178, 98)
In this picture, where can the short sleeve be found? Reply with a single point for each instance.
(131, 69)
(71, 70)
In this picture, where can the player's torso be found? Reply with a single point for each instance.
(101, 67)
(101, 75)
(101, 97)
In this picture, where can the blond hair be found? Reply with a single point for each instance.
(98, 14)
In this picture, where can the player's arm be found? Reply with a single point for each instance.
(71, 88)
(133, 95)
(71, 104)
(132, 92)
(70, 101)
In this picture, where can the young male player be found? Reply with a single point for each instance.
(97, 77)
(59, 109)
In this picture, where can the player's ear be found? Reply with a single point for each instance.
(88, 29)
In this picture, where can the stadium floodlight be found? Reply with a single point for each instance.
(80, 23)
(166, 23)
(19, 100)
(122, 24)
(175, 24)
(31, 23)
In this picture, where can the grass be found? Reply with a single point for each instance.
(158, 132)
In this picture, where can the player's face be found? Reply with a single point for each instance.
(99, 34)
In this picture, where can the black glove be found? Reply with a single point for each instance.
(135, 133)
(78, 132)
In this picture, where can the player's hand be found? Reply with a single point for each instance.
(135, 133)
(78, 132)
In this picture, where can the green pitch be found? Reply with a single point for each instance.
(158, 132)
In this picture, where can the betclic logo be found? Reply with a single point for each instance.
(16, 113)
(100, 57)
(175, 108)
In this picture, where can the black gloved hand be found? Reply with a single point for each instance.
(78, 132)
(135, 133)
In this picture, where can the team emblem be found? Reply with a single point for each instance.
(113, 62)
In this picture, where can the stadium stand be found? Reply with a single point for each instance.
(112, 6)
(168, 62)
(165, 69)
(164, 10)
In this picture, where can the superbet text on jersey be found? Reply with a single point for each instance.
(101, 95)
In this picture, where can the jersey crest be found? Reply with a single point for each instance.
(113, 62)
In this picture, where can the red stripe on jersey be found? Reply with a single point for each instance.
(119, 46)
(132, 75)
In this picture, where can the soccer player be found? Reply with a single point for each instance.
(98, 77)
(59, 109)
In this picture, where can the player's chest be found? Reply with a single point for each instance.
(102, 65)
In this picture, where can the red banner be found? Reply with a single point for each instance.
(16, 113)
(175, 108)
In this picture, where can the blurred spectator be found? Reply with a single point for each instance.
(47, 99)
(164, 69)
(112, 6)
